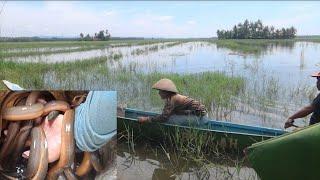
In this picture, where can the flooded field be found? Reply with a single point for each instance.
(269, 80)
(110, 50)
(276, 78)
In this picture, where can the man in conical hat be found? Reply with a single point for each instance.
(313, 108)
(178, 108)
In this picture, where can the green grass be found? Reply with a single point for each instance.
(313, 38)
(211, 88)
(32, 75)
(154, 48)
(208, 87)
(259, 46)
(245, 46)
(217, 90)
(250, 46)
(42, 44)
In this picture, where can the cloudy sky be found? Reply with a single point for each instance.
(151, 18)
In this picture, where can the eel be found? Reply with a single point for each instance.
(67, 146)
(38, 160)
(85, 165)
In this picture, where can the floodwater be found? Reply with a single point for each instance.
(78, 55)
(278, 77)
(150, 163)
(18, 50)
(277, 81)
(280, 74)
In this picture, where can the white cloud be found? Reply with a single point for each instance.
(70, 18)
(110, 13)
(191, 22)
(163, 18)
(55, 18)
(297, 21)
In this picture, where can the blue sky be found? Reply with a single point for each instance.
(180, 19)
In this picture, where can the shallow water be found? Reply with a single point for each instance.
(147, 163)
(290, 65)
(18, 50)
(277, 81)
(280, 74)
(80, 55)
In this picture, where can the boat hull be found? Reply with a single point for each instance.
(291, 156)
(226, 136)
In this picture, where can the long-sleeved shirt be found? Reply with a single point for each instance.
(180, 105)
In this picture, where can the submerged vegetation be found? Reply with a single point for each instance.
(24, 49)
(217, 90)
(211, 88)
(256, 47)
(187, 150)
(228, 96)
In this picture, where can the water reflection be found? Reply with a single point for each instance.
(148, 162)
(257, 48)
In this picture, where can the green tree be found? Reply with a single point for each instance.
(246, 29)
(266, 32)
(81, 35)
(256, 30)
(235, 32)
(108, 35)
(100, 35)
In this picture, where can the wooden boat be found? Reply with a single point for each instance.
(293, 156)
(225, 135)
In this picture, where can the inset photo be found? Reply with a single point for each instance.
(57, 134)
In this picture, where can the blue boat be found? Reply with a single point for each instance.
(226, 135)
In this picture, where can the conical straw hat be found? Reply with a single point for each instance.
(165, 85)
(316, 74)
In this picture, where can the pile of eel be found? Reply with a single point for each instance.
(22, 113)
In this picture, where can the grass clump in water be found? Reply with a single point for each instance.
(214, 89)
(253, 46)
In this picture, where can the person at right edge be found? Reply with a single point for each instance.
(314, 108)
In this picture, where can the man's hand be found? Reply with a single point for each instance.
(143, 119)
(52, 130)
(288, 123)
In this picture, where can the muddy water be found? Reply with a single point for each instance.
(150, 163)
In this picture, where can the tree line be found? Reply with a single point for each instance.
(100, 36)
(256, 30)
